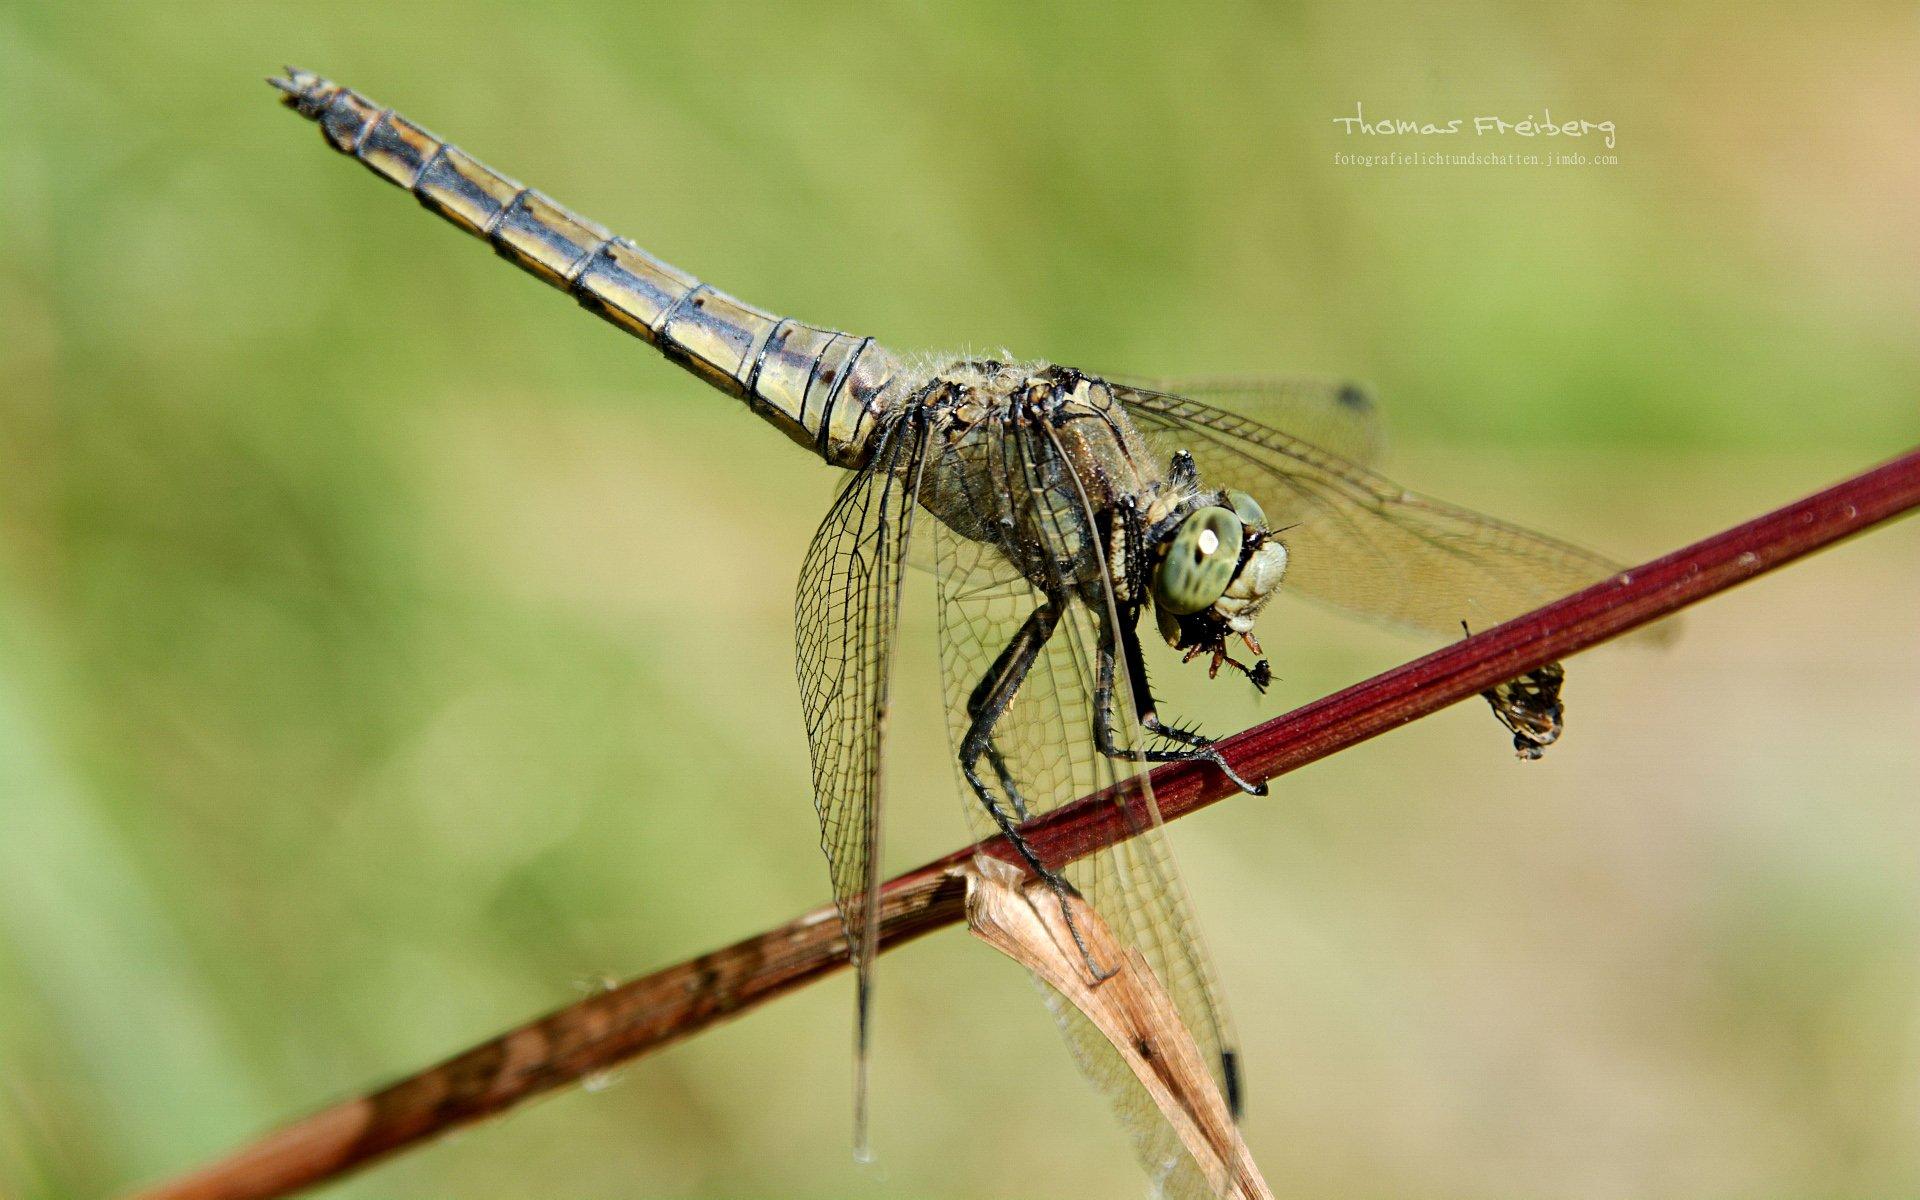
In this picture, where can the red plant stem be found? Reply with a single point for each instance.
(642, 1015)
(1466, 668)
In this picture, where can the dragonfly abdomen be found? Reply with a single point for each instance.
(823, 388)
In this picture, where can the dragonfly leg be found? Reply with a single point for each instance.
(976, 704)
(1198, 745)
(987, 704)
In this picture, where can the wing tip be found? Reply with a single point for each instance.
(1230, 1075)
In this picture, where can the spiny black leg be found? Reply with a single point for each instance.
(1202, 747)
(985, 706)
(977, 702)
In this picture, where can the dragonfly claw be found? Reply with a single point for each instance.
(1251, 789)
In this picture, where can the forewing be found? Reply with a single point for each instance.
(1360, 542)
(1045, 742)
(846, 613)
(1337, 415)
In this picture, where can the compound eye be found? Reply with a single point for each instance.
(1201, 561)
(1248, 509)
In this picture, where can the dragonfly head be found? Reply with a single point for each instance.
(1220, 565)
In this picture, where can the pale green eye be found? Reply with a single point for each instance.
(1248, 509)
(1200, 562)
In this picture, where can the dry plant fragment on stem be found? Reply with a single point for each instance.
(1131, 1009)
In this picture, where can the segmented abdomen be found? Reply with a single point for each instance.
(823, 388)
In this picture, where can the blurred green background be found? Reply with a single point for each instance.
(388, 652)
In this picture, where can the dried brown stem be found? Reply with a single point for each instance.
(637, 1017)
(1055, 936)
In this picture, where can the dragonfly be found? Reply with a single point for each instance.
(1069, 519)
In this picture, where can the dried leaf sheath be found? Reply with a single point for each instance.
(1024, 920)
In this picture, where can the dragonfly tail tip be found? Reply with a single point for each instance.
(294, 81)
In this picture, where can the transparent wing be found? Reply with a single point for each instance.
(846, 612)
(1043, 755)
(1360, 542)
(1337, 415)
